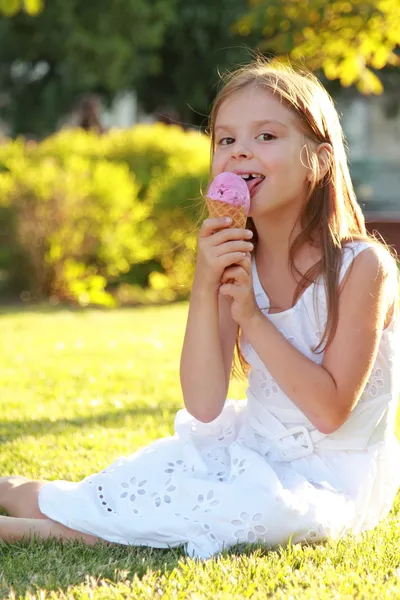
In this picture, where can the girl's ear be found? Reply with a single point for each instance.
(324, 154)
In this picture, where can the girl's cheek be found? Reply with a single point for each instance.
(217, 166)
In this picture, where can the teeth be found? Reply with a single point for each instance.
(248, 176)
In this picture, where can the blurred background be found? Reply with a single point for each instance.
(103, 142)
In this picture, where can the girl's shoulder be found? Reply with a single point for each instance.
(373, 257)
(369, 261)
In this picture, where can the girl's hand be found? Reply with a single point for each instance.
(220, 247)
(237, 283)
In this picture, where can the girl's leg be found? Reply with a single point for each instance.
(13, 529)
(19, 497)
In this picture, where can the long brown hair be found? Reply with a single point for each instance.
(332, 216)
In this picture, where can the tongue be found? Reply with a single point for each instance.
(252, 183)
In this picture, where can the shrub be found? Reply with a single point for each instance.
(78, 225)
(97, 213)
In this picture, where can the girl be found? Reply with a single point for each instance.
(311, 302)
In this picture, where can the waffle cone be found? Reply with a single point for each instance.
(223, 209)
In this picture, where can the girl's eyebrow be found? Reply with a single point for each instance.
(255, 124)
(269, 122)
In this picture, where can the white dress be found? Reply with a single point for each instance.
(260, 472)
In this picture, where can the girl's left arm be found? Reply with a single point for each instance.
(325, 393)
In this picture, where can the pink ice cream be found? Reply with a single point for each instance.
(230, 188)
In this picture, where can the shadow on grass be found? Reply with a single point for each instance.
(51, 565)
(9, 430)
(41, 308)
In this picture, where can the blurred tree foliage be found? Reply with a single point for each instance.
(197, 45)
(170, 51)
(46, 61)
(347, 39)
(11, 7)
(340, 40)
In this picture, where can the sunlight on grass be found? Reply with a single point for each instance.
(79, 389)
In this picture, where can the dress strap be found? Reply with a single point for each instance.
(259, 292)
(350, 251)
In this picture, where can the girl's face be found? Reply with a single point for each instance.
(256, 134)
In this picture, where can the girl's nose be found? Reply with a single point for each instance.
(241, 151)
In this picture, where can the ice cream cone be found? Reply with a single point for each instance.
(223, 209)
(228, 196)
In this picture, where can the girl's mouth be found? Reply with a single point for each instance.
(253, 180)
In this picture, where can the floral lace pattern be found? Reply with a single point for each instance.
(212, 485)
(375, 384)
(250, 528)
(261, 380)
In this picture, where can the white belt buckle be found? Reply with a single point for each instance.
(296, 451)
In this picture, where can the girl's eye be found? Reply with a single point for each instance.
(266, 137)
(226, 141)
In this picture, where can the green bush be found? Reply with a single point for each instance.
(150, 151)
(78, 225)
(104, 219)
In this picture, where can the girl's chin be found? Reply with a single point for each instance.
(261, 208)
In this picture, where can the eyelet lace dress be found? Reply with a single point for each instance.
(260, 472)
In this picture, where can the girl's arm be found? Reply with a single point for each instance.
(327, 393)
(210, 332)
(207, 354)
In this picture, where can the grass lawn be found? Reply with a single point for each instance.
(79, 389)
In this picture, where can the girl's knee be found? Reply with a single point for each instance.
(9, 483)
(19, 497)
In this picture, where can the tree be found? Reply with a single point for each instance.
(347, 39)
(73, 47)
(343, 42)
(198, 45)
(11, 7)
(171, 51)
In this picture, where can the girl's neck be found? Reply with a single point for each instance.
(275, 238)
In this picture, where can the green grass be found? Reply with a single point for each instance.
(79, 389)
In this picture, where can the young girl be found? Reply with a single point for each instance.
(311, 302)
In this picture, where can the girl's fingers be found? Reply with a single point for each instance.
(219, 228)
(236, 273)
(227, 289)
(212, 225)
(227, 260)
(245, 263)
(231, 233)
(234, 246)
